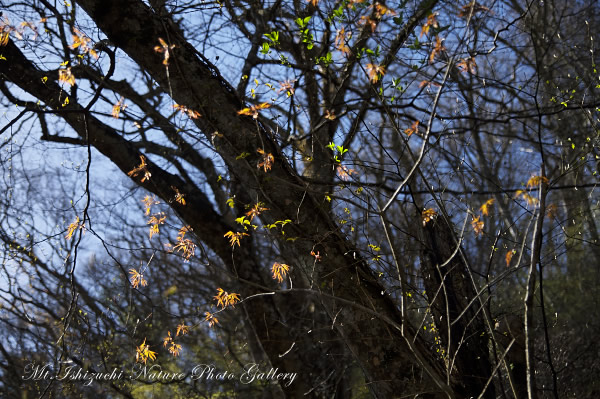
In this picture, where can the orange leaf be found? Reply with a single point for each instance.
(142, 167)
(81, 41)
(148, 202)
(431, 22)
(137, 279)
(375, 72)
(65, 76)
(118, 107)
(225, 299)
(253, 110)
(345, 172)
(185, 110)
(532, 201)
(212, 320)
(509, 256)
(428, 83)
(485, 207)
(155, 220)
(428, 215)
(329, 115)
(183, 329)
(266, 160)
(341, 40)
(178, 196)
(167, 339)
(165, 49)
(287, 86)
(381, 10)
(477, 225)
(234, 238)
(535, 181)
(468, 65)
(414, 128)
(316, 255)
(438, 48)
(279, 271)
(364, 20)
(256, 210)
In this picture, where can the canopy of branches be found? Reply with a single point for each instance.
(276, 198)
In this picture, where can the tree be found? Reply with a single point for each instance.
(381, 195)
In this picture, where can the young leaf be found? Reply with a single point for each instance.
(279, 270)
(485, 208)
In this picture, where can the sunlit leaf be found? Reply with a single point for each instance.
(137, 278)
(253, 110)
(438, 48)
(256, 210)
(234, 238)
(266, 160)
(414, 128)
(142, 167)
(118, 107)
(429, 23)
(225, 299)
(154, 221)
(375, 72)
(72, 227)
(143, 353)
(509, 256)
(428, 215)
(182, 329)
(477, 225)
(485, 208)
(148, 202)
(535, 181)
(212, 320)
(164, 49)
(65, 76)
(279, 270)
(467, 65)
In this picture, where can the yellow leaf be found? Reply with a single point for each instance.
(118, 107)
(183, 329)
(477, 225)
(225, 299)
(279, 270)
(253, 110)
(72, 227)
(485, 207)
(428, 215)
(142, 167)
(65, 76)
(266, 160)
(234, 238)
(178, 196)
(535, 181)
(431, 22)
(212, 320)
(375, 72)
(143, 353)
(137, 279)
